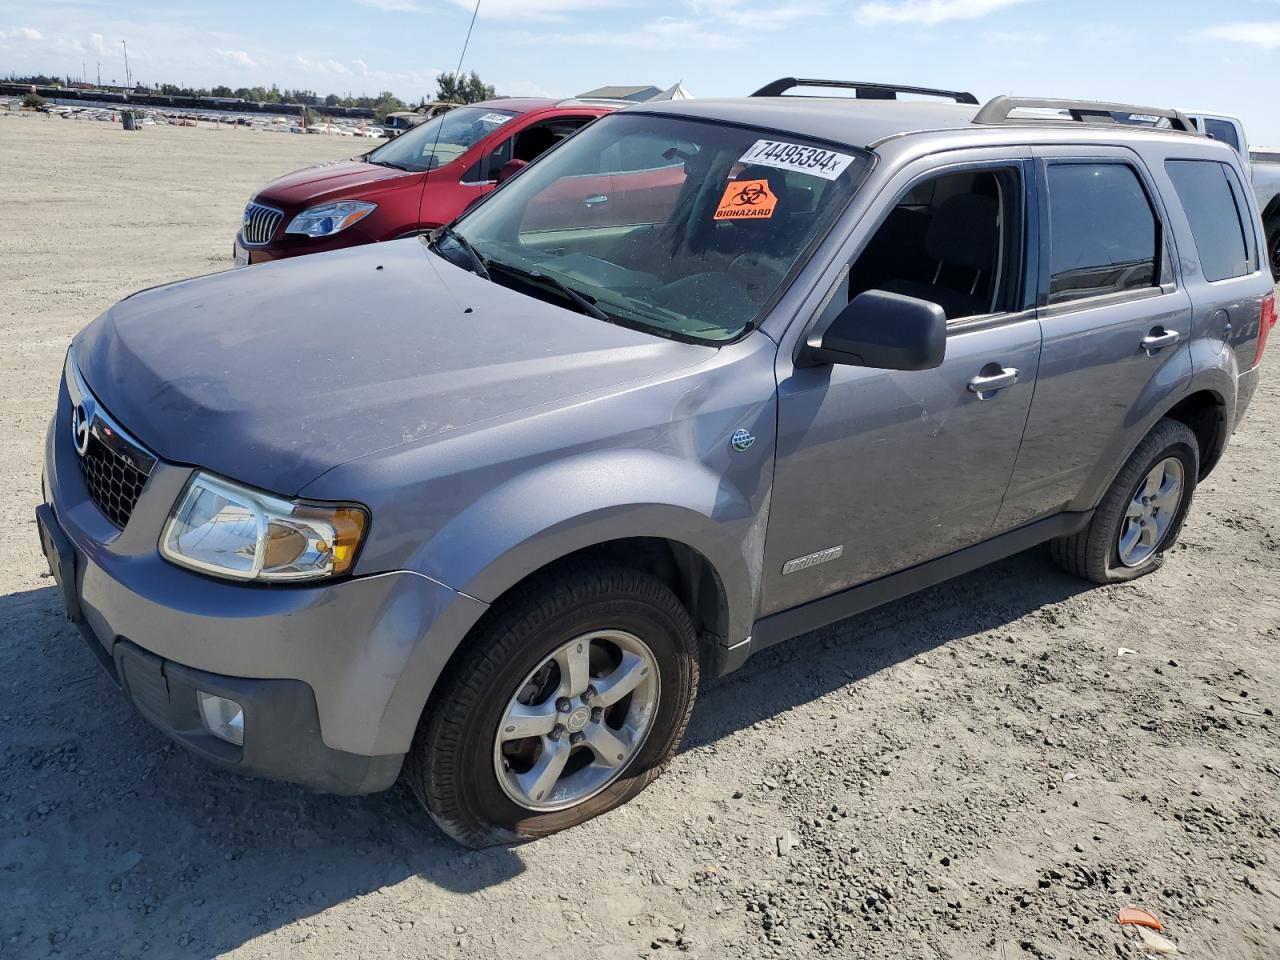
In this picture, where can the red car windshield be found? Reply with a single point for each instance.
(441, 139)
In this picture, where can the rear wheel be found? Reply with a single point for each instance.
(571, 700)
(1141, 513)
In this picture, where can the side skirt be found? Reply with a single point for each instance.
(847, 603)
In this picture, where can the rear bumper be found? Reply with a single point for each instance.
(1246, 386)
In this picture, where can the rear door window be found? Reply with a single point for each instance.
(1211, 200)
(1104, 236)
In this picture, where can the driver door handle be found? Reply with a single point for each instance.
(985, 385)
(1159, 340)
(597, 199)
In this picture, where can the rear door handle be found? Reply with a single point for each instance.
(986, 385)
(1154, 341)
(597, 199)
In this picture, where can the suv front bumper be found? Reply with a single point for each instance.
(331, 677)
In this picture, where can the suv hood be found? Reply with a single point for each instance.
(338, 177)
(273, 374)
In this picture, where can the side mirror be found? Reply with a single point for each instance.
(510, 169)
(883, 330)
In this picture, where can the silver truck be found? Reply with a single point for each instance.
(480, 509)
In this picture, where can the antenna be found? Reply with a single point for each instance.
(456, 74)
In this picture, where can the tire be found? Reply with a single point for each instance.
(462, 772)
(1273, 248)
(1095, 552)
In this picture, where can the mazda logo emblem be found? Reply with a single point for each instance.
(80, 428)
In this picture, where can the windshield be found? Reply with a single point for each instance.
(441, 139)
(685, 228)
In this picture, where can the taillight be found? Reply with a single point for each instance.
(1267, 321)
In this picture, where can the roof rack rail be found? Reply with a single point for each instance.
(997, 110)
(863, 90)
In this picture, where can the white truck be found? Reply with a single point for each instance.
(1264, 164)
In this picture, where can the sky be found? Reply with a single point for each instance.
(1221, 56)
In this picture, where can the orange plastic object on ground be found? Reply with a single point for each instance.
(1140, 917)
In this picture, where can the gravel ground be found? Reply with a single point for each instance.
(973, 772)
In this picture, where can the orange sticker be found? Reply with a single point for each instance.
(747, 200)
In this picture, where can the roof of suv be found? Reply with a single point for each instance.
(856, 122)
(865, 123)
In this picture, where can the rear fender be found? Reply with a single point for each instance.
(1154, 404)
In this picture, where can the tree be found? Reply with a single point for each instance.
(33, 101)
(221, 91)
(455, 88)
(309, 117)
(331, 100)
(386, 103)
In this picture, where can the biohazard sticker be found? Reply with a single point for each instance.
(747, 200)
(793, 156)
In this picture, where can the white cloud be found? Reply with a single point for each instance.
(393, 6)
(929, 13)
(1263, 33)
(745, 16)
(97, 44)
(1013, 38)
(329, 67)
(21, 33)
(709, 25)
(667, 33)
(532, 9)
(237, 57)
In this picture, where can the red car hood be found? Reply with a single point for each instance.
(337, 178)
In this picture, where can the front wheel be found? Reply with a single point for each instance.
(571, 699)
(1141, 513)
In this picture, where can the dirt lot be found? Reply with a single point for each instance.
(973, 772)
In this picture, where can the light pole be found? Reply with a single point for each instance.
(128, 80)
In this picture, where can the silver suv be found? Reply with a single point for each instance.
(479, 509)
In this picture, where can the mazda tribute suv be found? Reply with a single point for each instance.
(709, 375)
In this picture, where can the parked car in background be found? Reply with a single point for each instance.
(482, 507)
(419, 181)
(402, 120)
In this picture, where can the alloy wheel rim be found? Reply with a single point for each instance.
(577, 720)
(1151, 512)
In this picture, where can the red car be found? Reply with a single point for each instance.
(419, 181)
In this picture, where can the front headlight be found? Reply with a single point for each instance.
(330, 218)
(222, 528)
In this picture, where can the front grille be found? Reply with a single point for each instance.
(113, 482)
(260, 222)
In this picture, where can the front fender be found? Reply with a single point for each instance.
(564, 506)
(542, 516)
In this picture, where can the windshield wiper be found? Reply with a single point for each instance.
(478, 266)
(384, 163)
(537, 276)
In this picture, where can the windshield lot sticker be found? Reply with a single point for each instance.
(747, 200)
(494, 118)
(792, 156)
